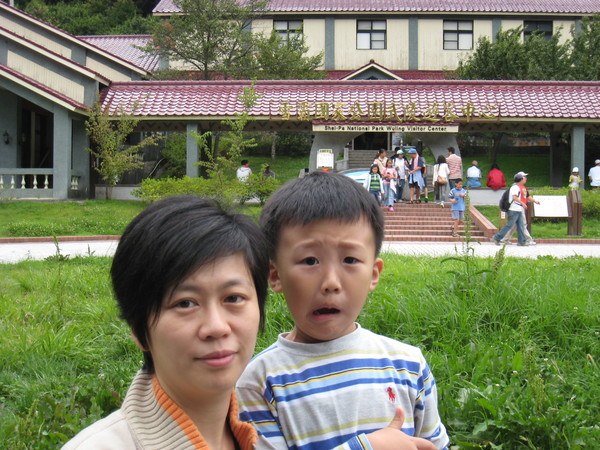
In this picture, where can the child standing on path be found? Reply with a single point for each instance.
(457, 198)
(389, 184)
(574, 179)
(374, 183)
(330, 382)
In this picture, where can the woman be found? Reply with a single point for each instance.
(374, 183)
(495, 178)
(381, 160)
(440, 180)
(191, 282)
(389, 176)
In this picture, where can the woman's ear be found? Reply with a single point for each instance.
(137, 342)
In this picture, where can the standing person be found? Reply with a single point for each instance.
(400, 165)
(389, 184)
(495, 178)
(374, 183)
(457, 198)
(575, 180)
(474, 175)
(267, 172)
(191, 282)
(440, 180)
(594, 175)
(455, 165)
(381, 160)
(244, 171)
(415, 176)
(325, 234)
(518, 204)
(424, 173)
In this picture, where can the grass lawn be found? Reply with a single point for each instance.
(513, 343)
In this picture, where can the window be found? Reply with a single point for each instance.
(458, 34)
(543, 27)
(288, 28)
(370, 34)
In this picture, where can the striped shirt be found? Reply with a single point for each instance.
(330, 394)
(455, 165)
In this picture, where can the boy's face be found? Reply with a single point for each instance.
(325, 270)
(459, 185)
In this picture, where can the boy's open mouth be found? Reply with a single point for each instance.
(323, 311)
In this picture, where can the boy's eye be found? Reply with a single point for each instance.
(350, 260)
(311, 261)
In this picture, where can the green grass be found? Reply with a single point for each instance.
(513, 343)
(285, 167)
(35, 218)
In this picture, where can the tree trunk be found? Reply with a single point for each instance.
(273, 145)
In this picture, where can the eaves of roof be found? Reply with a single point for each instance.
(508, 100)
(43, 90)
(125, 47)
(54, 56)
(552, 7)
(70, 37)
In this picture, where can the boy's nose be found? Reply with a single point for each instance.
(331, 281)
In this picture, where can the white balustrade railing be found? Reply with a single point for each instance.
(24, 179)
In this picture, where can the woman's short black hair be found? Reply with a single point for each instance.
(170, 240)
(320, 196)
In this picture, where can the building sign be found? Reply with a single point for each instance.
(325, 158)
(412, 112)
(391, 128)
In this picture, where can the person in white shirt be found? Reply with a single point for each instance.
(474, 175)
(244, 171)
(400, 166)
(594, 175)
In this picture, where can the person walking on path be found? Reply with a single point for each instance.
(455, 165)
(374, 183)
(518, 196)
(495, 178)
(440, 180)
(594, 175)
(528, 239)
(381, 160)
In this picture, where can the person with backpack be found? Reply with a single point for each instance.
(514, 201)
(508, 236)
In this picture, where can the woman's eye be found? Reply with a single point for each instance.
(184, 304)
(234, 299)
(311, 261)
(350, 260)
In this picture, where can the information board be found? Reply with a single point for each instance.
(551, 206)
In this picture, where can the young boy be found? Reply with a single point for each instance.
(457, 198)
(330, 382)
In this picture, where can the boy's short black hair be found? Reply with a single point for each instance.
(458, 180)
(243, 162)
(170, 240)
(320, 196)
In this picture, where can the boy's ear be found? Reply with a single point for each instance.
(274, 279)
(377, 269)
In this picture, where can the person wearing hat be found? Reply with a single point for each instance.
(594, 175)
(516, 216)
(267, 172)
(400, 166)
(415, 175)
(574, 179)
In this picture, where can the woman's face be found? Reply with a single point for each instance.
(206, 331)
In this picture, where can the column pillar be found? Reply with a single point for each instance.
(62, 148)
(578, 151)
(191, 150)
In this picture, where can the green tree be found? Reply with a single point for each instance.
(585, 54)
(510, 57)
(214, 37)
(108, 135)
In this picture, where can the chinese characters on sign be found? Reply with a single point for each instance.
(410, 112)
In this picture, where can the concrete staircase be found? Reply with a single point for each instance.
(425, 222)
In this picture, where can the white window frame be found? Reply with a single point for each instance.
(371, 34)
(289, 28)
(458, 35)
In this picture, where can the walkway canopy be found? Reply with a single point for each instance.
(336, 111)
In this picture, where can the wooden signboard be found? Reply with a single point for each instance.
(551, 206)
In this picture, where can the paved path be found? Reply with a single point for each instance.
(19, 251)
